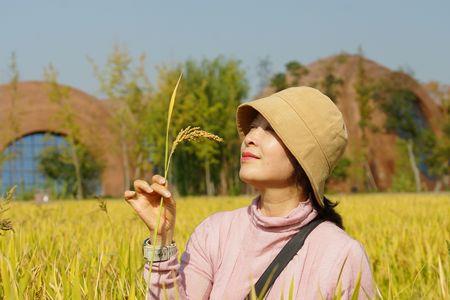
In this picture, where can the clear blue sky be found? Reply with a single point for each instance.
(411, 34)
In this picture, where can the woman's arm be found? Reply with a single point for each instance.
(192, 278)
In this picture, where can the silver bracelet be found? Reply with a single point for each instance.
(159, 253)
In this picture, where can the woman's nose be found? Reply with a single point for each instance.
(252, 136)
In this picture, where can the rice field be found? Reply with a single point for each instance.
(78, 250)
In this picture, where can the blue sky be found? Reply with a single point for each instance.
(409, 34)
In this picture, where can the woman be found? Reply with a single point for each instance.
(291, 142)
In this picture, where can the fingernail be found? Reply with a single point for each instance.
(167, 194)
(162, 181)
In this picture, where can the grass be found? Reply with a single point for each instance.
(74, 250)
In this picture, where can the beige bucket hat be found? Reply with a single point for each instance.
(310, 126)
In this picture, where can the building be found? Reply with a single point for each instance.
(29, 117)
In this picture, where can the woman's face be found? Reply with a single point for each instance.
(272, 167)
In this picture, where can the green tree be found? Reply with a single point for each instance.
(127, 86)
(403, 179)
(438, 157)
(294, 71)
(340, 171)
(12, 131)
(56, 163)
(59, 95)
(264, 72)
(331, 83)
(208, 97)
(403, 116)
(279, 82)
(364, 91)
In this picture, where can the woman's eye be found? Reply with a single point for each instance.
(269, 128)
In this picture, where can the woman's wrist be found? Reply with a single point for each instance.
(161, 240)
(158, 253)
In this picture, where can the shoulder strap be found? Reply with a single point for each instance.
(269, 276)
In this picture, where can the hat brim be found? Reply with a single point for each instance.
(245, 114)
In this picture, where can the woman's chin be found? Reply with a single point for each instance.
(249, 178)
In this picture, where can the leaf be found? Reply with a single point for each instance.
(169, 118)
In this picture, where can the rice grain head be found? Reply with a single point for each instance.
(6, 224)
(102, 204)
(192, 134)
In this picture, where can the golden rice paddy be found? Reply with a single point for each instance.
(76, 250)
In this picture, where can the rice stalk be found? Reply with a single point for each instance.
(166, 157)
(5, 223)
(36, 261)
(185, 135)
(191, 134)
(103, 207)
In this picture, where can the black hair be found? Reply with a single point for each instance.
(327, 211)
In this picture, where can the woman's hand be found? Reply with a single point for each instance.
(145, 200)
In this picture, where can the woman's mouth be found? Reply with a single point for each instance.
(247, 158)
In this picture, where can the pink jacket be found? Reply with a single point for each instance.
(229, 251)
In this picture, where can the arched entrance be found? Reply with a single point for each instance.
(33, 112)
(33, 162)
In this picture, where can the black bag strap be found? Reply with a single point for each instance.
(286, 254)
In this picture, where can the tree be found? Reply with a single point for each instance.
(403, 116)
(330, 83)
(59, 95)
(364, 92)
(208, 97)
(56, 164)
(340, 172)
(14, 126)
(264, 72)
(438, 158)
(402, 179)
(294, 71)
(279, 82)
(129, 89)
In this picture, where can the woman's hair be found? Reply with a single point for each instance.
(326, 212)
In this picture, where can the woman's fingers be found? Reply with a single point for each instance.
(128, 195)
(141, 186)
(163, 191)
(158, 179)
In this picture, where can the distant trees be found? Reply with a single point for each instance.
(57, 164)
(59, 95)
(124, 81)
(12, 130)
(294, 71)
(438, 157)
(208, 95)
(264, 72)
(340, 171)
(403, 117)
(364, 88)
(330, 83)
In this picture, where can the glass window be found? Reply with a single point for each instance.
(21, 167)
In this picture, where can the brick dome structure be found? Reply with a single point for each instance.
(381, 145)
(30, 107)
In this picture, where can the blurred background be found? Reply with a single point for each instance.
(85, 88)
